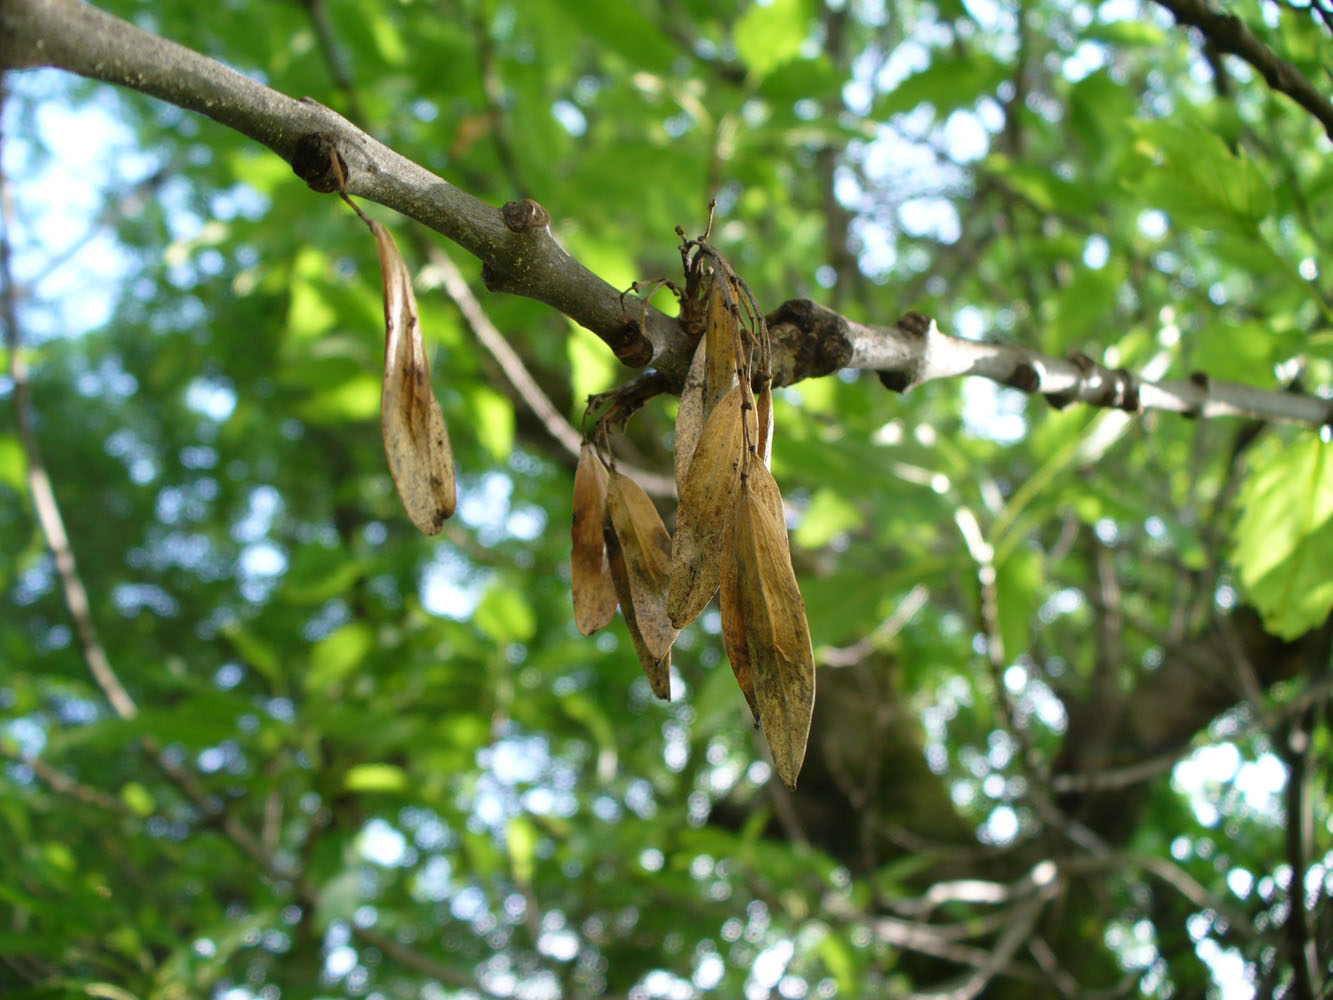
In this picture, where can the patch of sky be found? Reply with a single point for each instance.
(451, 586)
(568, 115)
(384, 845)
(214, 398)
(62, 174)
(1203, 778)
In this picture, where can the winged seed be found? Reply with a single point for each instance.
(590, 575)
(416, 441)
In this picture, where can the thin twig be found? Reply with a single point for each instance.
(39, 483)
(1231, 34)
(61, 782)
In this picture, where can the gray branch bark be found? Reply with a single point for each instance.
(1230, 34)
(520, 255)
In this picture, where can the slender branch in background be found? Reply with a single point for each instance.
(39, 483)
(848, 656)
(1298, 927)
(333, 58)
(61, 782)
(1231, 34)
(521, 256)
(975, 982)
(497, 122)
(499, 348)
(456, 286)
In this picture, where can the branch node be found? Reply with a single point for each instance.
(631, 347)
(1024, 377)
(521, 216)
(1199, 380)
(312, 161)
(1127, 389)
(915, 323)
(895, 381)
(815, 338)
(1085, 365)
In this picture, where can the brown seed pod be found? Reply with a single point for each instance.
(646, 548)
(590, 574)
(657, 668)
(764, 409)
(777, 635)
(416, 441)
(733, 625)
(721, 331)
(690, 416)
(707, 505)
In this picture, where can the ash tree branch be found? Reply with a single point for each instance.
(1228, 33)
(520, 255)
(522, 258)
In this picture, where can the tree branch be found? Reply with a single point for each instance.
(522, 258)
(520, 255)
(1229, 33)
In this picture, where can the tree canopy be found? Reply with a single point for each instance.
(1067, 562)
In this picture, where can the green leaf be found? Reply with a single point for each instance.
(505, 615)
(13, 463)
(1283, 543)
(308, 313)
(828, 516)
(948, 83)
(338, 655)
(1018, 582)
(493, 420)
(1199, 182)
(357, 399)
(138, 798)
(768, 35)
(376, 778)
(593, 367)
(521, 840)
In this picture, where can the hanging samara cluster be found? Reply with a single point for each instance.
(731, 534)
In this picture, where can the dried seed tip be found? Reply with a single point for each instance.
(764, 406)
(416, 441)
(690, 415)
(656, 668)
(646, 548)
(521, 216)
(593, 590)
(780, 655)
(721, 329)
(707, 505)
(733, 626)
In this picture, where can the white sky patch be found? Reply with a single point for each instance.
(709, 972)
(771, 963)
(90, 149)
(450, 586)
(1228, 967)
(1201, 777)
(381, 844)
(965, 137)
(212, 398)
(994, 412)
(932, 217)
